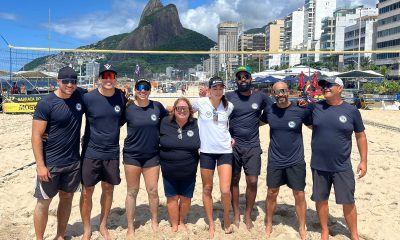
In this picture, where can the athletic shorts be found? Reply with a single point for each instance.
(343, 184)
(248, 158)
(179, 187)
(294, 177)
(143, 163)
(209, 160)
(94, 171)
(63, 178)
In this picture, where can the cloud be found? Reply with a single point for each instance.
(8, 16)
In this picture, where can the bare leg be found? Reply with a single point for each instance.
(132, 175)
(235, 198)
(86, 209)
(40, 217)
(272, 194)
(301, 211)
(173, 212)
(106, 203)
(251, 193)
(207, 179)
(350, 214)
(151, 175)
(323, 212)
(63, 213)
(184, 206)
(225, 179)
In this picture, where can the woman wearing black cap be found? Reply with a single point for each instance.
(215, 149)
(141, 150)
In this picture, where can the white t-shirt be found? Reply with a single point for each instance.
(214, 135)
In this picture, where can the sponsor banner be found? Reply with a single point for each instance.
(23, 98)
(13, 107)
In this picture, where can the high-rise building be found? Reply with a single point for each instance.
(293, 36)
(92, 70)
(274, 38)
(388, 36)
(228, 36)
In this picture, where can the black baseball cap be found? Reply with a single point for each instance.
(214, 81)
(107, 67)
(142, 80)
(67, 73)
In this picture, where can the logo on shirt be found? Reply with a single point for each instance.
(190, 133)
(343, 119)
(153, 117)
(78, 106)
(117, 109)
(208, 114)
(254, 106)
(292, 124)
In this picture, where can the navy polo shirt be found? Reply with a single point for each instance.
(64, 118)
(333, 127)
(143, 127)
(286, 139)
(245, 117)
(179, 157)
(104, 116)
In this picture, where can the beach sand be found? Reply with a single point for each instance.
(377, 194)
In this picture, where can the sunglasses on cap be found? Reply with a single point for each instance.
(215, 115)
(182, 109)
(329, 85)
(241, 76)
(141, 87)
(68, 81)
(280, 91)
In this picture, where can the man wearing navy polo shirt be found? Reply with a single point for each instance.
(57, 116)
(244, 128)
(333, 123)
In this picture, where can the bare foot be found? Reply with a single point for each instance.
(211, 230)
(174, 228)
(154, 226)
(236, 221)
(130, 233)
(324, 235)
(249, 223)
(268, 230)
(229, 230)
(86, 236)
(59, 238)
(104, 232)
(302, 233)
(182, 226)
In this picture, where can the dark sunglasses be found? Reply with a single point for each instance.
(67, 81)
(246, 76)
(329, 85)
(280, 91)
(141, 87)
(182, 109)
(215, 115)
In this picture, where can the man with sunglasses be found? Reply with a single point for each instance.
(244, 128)
(105, 109)
(286, 163)
(333, 123)
(57, 118)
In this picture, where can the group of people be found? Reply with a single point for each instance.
(224, 137)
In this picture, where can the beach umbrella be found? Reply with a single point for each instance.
(301, 83)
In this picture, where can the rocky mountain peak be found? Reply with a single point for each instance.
(151, 7)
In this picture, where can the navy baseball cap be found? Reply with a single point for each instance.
(67, 73)
(107, 67)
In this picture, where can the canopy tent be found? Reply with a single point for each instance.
(267, 79)
(359, 74)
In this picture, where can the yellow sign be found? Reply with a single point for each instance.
(26, 107)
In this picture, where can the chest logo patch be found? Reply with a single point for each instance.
(254, 106)
(343, 119)
(117, 109)
(190, 133)
(291, 124)
(153, 117)
(208, 114)
(78, 106)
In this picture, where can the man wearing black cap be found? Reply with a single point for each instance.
(105, 109)
(57, 116)
(333, 123)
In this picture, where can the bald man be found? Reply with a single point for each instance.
(286, 165)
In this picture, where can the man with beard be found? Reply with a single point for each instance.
(244, 124)
(286, 163)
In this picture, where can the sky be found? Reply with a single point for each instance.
(74, 24)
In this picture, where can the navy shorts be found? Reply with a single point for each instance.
(294, 177)
(62, 178)
(143, 162)
(248, 158)
(209, 160)
(94, 171)
(179, 187)
(343, 184)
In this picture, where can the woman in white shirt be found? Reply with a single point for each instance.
(215, 149)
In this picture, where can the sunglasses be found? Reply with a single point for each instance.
(68, 81)
(246, 76)
(215, 115)
(109, 75)
(141, 87)
(179, 133)
(182, 109)
(329, 85)
(280, 91)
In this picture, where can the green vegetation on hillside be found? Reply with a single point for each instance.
(256, 30)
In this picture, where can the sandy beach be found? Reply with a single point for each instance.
(377, 194)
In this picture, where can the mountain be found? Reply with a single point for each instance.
(256, 30)
(159, 29)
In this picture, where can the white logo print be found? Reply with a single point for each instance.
(107, 66)
(254, 106)
(78, 106)
(117, 109)
(190, 133)
(343, 119)
(153, 117)
(292, 124)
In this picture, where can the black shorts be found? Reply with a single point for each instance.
(143, 162)
(179, 187)
(94, 171)
(248, 158)
(209, 160)
(343, 183)
(294, 177)
(64, 178)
